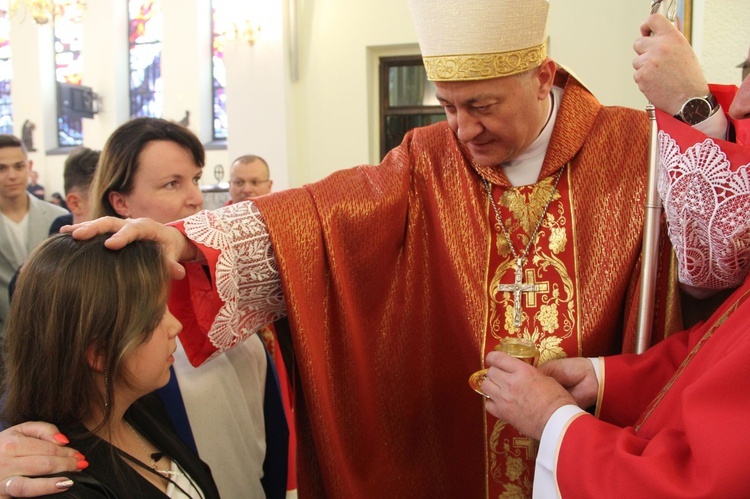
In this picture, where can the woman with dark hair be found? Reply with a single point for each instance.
(151, 168)
(97, 340)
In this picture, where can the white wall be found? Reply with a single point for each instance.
(728, 23)
(595, 40)
(327, 120)
(258, 91)
(330, 109)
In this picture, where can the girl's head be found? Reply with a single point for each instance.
(82, 313)
(150, 168)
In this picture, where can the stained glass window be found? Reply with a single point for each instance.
(6, 72)
(222, 22)
(68, 67)
(146, 33)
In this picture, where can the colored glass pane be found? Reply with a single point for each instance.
(6, 71)
(145, 35)
(68, 67)
(222, 22)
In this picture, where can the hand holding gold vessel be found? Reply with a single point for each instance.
(519, 348)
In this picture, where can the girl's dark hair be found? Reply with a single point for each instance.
(78, 300)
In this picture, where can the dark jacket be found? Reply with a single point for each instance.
(107, 479)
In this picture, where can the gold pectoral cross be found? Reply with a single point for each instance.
(517, 288)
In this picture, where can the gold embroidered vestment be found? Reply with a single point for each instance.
(389, 274)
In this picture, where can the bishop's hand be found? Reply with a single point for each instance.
(522, 395)
(176, 246)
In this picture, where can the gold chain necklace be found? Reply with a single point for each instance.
(519, 286)
(153, 457)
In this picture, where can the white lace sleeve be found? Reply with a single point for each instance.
(706, 204)
(247, 277)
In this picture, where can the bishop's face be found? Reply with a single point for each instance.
(499, 118)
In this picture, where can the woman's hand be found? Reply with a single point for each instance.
(34, 449)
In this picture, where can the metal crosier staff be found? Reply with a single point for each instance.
(650, 249)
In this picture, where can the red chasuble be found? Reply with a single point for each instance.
(390, 277)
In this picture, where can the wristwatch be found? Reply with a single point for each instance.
(698, 109)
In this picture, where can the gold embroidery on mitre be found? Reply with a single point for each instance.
(483, 66)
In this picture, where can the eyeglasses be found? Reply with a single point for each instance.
(253, 182)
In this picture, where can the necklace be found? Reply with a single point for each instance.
(519, 286)
(153, 457)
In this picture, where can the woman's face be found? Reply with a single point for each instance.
(148, 365)
(165, 185)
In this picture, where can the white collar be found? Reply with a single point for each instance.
(524, 170)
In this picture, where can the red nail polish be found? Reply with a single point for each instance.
(82, 464)
(61, 439)
(79, 456)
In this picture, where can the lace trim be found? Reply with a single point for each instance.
(707, 206)
(247, 276)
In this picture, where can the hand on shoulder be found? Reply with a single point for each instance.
(35, 449)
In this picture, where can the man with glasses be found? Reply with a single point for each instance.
(249, 177)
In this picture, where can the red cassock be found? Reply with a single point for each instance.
(673, 421)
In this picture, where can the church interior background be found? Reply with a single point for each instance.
(313, 86)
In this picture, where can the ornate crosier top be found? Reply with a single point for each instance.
(518, 286)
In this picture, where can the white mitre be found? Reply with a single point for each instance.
(480, 39)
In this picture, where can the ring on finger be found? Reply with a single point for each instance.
(8, 482)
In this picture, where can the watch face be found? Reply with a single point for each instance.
(696, 110)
